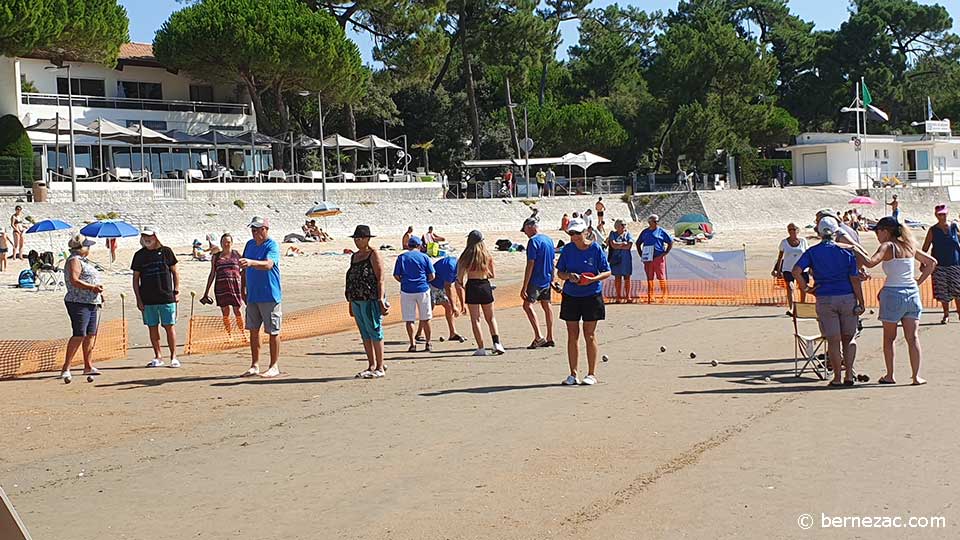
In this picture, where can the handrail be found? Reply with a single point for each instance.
(33, 98)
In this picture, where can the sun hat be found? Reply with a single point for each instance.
(828, 226)
(825, 212)
(259, 223)
(576, 226)
(79, 241)
(414, 242)
(529, 222)
(474, 237)
(362, 231)
(942, 209)
(149, 230)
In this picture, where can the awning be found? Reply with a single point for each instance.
(149, 136)
(219, 139)
(376, 143)
(492, 163)
(339, 141)
(52, 125)
(182, 137)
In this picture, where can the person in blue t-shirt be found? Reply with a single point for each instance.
(839, 293)
(653, 246)
(537, 281)
(620, 245)
(442, 294)
(414, 271)
(260, 286)
(583, 266)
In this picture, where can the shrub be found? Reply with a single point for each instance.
(16, 152)
(239, 204)
(108, 215)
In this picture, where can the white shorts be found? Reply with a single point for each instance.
(411, 303)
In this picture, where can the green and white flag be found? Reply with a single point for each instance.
(871, 112)
(867, 98)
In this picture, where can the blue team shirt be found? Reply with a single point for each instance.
(540, 250)
(413, 267)
(580, 261)
(658, 238)
(263, 285)
(832, 267)
(445, 272)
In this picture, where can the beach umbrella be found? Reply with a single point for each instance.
(109, 228)
(339, 142)
(866, 201)
(323, 209)
(374, 143)
(49, 226)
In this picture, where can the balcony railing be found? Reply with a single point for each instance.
(135, 104)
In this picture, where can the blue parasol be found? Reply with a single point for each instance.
(109, 228)
(49, 225)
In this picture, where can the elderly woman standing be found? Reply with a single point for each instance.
(365, 293)
(84, 299)
(945, 240)
(900, 301)
(620, 244)
(839, 295)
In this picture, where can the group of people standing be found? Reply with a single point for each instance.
(835, 268)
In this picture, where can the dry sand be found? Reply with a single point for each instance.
(448, 446)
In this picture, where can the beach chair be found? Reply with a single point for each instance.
(808, 347)
(122, 174)
(81, 172)
(277, 176)
(47, 273)
(194, 175)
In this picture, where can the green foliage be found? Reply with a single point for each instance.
(28, 87)
(106, 216)
(16, 152)
(239, 204)
(81, 30)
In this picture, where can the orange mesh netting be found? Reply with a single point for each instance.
(23, 357)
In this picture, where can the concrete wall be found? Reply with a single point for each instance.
(917, 203)
(669, 206)
(9, 86)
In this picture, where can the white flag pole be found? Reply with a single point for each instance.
(858, 106)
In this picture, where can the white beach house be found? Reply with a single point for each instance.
(931, 159)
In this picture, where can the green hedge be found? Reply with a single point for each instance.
(16, 153)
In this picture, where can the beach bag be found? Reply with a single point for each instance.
(504, 244)
(433, 249)
(26, 280)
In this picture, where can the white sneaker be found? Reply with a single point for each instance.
(481, 352)
(156, 362)
(571, 380)
(378, 373)
(498, 349)
(589, 380)
(365, 374)
(175, 363)
(66, 376)
(252, 372)
(270, 373)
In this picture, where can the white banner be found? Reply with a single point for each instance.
(689, 264)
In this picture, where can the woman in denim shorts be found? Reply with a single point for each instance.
(899, 298)
(83, 300)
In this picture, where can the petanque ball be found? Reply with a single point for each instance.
(605, 358)
(663, 349)
(693, 355)
(714, 363)
(89, 378)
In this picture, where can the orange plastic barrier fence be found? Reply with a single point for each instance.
(23, 357)
(208, 334)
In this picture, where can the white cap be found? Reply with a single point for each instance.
(828, 226)
(576, 226)
(149, 230)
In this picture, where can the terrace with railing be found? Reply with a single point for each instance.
(58, 100)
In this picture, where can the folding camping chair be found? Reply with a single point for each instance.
(808, 346)
(47, 273)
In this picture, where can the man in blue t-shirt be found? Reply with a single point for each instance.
(260, 287)
(653, 245)
(414, 271)
(537, 280)
(441, 294)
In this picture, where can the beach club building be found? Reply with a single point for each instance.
(930, 159)
(137, 91)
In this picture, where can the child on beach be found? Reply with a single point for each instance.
(5, 243)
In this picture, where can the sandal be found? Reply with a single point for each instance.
(945, 319)
(835, 384)
(458, 338)
(428, 347)
(848, 382)
(413, 348)
(537, 343)
(549, 344)
(884, 380)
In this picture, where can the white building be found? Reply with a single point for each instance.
(831, 158)
(139, 89)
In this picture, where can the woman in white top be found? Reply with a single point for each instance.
(791, 248)
(900, 296)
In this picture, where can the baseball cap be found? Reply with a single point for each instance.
(259, 222)
(942, 209)
(828, 226)
(413, 242)
(825, 212)
(474, 237)
(529, 222)
(576, 226)
(149, 230)
(78, 241)
(654, 217)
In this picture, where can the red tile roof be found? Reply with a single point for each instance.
(136, 51)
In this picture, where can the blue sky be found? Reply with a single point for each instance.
(147, 15)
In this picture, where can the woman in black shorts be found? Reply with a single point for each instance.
(474, 271)
(583, 266)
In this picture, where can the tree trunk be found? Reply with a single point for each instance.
(663, 141)
(468, 80)
(551, 53)
(513, 120)
(352, 134)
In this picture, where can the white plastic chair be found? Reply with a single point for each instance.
(277, 176)
(122, 174)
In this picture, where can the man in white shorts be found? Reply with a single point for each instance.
(414, 271)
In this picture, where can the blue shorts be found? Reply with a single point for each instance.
(84, 318)
(160, 314)
(898, 303)
(369, 319)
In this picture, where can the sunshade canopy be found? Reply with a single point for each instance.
(304, 141)
(62, 126)
(182, 137)
(585, 159)
(693, 218)
(215, 137)
(109, 229)
(372, 141)
(323, 209)
(150, 136)
(339, 141)
(109, 130)
(49, 225)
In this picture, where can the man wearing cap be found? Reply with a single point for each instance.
(844, 231)
(260, 286)
(653, 246)
(537, 279)
(414, 271)
(156, 284)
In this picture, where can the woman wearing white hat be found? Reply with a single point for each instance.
(83, 300)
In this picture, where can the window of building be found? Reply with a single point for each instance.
(140, 90)
(956, 154)
(81, 87)
(156, 125)
(876, 153)
(886, 154)
(200, 92)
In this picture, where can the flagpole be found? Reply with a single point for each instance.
(863, 147)
(857, 108)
